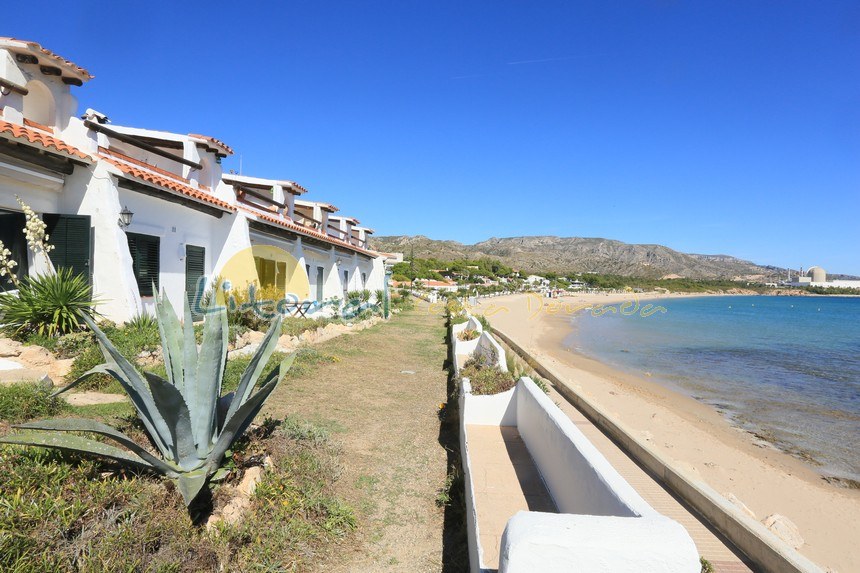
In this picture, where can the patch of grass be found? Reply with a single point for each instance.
(129, 340)
(294, 326)
(62, 513)
(28, 400)
(452, 489)
(104, 411)
(43, 340)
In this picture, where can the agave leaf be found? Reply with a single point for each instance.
(203, 396)
(236, 424)
(171, 340)
(85, 425)
(255, 366)
(76, 444)
(173, 409)
(190, 484)
(100, 369)
(222, 407)
(136, 387)
(190, 352)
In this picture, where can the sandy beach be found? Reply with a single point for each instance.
(734, 462)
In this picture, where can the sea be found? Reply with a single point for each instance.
(786, 369)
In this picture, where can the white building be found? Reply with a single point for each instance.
(537, 280)
(817, 277)
(190, 220)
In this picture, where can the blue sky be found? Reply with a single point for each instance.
(711, 127)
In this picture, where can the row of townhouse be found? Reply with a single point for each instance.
(84, 175)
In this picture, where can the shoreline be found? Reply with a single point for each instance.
(762, 477)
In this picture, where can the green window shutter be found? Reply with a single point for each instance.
(145, 259)
(195, 267)
(70, 236)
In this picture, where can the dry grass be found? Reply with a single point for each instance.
(381, 398)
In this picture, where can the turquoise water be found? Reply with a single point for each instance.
(785, 368)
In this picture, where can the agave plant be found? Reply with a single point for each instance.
(188, 421)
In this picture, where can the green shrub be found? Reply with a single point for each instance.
(486, 378)
(28, 400)
(458, 319)
(354, 295)
(485, 323)
(142, 321)
(50, 305)
(74, 344)
(36, 339)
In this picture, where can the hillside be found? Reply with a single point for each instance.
(576, 254)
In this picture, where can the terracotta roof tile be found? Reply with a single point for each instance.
(127, 159)
(41, 138)
(170, 184)
(216, 142)
(36, 47)
(288, 224)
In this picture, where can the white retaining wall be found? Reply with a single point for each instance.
(606, 526)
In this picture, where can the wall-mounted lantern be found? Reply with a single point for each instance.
(125, 217)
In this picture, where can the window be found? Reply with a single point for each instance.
(320, 272)
(271, 273)
(363, 280)
(195, 268)
(145, 260)
(345, 283)
(12, 235)
(70, 236)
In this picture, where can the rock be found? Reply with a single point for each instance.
(241, 501)
(45, 382)
(250, 480)
(740, 505)
(32, 356)
(247, 350)
(249, 337)
(22, 375)
(783, 528)
(9, 348)
(61, 368)
(6, 364)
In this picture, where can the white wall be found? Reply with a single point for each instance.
(558, 543)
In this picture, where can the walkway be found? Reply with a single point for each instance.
(381, 401)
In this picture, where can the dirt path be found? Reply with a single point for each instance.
(381, 401)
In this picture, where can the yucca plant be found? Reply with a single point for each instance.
(188, 421)
(50, 304)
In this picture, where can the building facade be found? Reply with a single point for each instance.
(191, 222)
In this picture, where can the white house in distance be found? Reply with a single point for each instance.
(189, 220)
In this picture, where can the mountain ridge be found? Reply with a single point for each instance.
(550, 253)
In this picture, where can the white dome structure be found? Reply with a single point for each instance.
(817, 274)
